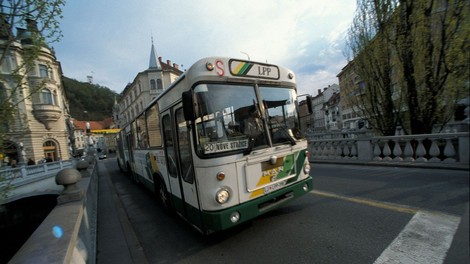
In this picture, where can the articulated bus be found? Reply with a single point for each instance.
(221, 145)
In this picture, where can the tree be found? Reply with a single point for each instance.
(97, 100)
(413, 59)
(26, 27)
(370, 44)
(432, 48)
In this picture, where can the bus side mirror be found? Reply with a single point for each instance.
(188, 108)
(309, 104)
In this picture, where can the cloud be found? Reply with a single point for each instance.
(304, 35)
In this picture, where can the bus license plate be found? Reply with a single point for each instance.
(274, 187)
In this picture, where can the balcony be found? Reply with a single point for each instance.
(47, 114)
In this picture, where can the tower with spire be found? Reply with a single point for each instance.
(146, 86)
(153, 62)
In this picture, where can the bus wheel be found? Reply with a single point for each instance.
(119, 165)
(162, 195)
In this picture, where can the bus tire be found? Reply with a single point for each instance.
(162, 194)
(130, 172)
(119, 165)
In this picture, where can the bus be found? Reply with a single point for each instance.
(222, 144)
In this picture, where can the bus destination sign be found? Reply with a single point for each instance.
(214, 147)
(253, 69)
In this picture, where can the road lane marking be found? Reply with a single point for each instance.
(383, 205)
(425, 239)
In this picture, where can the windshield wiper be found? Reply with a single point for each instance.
(289, 136)
(284, 131)
(251, 144)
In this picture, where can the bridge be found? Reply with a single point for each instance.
(32, 180)
(74, 219)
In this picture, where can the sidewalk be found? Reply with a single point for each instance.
(116, 241)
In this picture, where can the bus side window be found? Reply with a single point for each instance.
(153, 126)
(142, 132)
(184, 147)
(169, 146)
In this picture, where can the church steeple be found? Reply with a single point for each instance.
(153, 62)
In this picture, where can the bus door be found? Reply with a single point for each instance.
(180, 166)
(130, 158)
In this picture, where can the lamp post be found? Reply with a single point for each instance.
(22, 154)
(88, 134)
(90, 149)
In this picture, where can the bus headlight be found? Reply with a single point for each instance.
(307, 168)
(222, 196)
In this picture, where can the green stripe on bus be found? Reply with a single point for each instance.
(246, 68)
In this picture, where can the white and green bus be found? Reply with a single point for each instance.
(222, 144)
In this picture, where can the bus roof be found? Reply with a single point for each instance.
(224, 69)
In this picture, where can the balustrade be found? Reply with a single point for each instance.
(28, 173)
(446, 148)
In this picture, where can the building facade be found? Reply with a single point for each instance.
(39, 129)
(147, 85)
(351, 85)
(101, 136)
(318, 106)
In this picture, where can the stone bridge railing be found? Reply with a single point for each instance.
(27, 173)
(449, 150)
(68, 234)
(17, 183)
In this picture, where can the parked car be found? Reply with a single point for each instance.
(102, 156)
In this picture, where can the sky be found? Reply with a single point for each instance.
(111, 39)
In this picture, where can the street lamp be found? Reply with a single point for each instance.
(22, 154)
(90, 149)
(88, 133)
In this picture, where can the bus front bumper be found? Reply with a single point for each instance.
(220, 220)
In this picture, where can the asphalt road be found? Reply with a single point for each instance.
(355, 214)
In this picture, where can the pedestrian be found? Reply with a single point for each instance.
(31, 162)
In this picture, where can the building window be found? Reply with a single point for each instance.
(50, 151)
(46, 97)
(43, 71)
(3, 97)
(159, 84)
(153, 85)
(5, 67)
(55, 98)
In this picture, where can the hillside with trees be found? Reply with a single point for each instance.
(89, 102)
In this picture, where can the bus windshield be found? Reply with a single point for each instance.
(230, 118)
